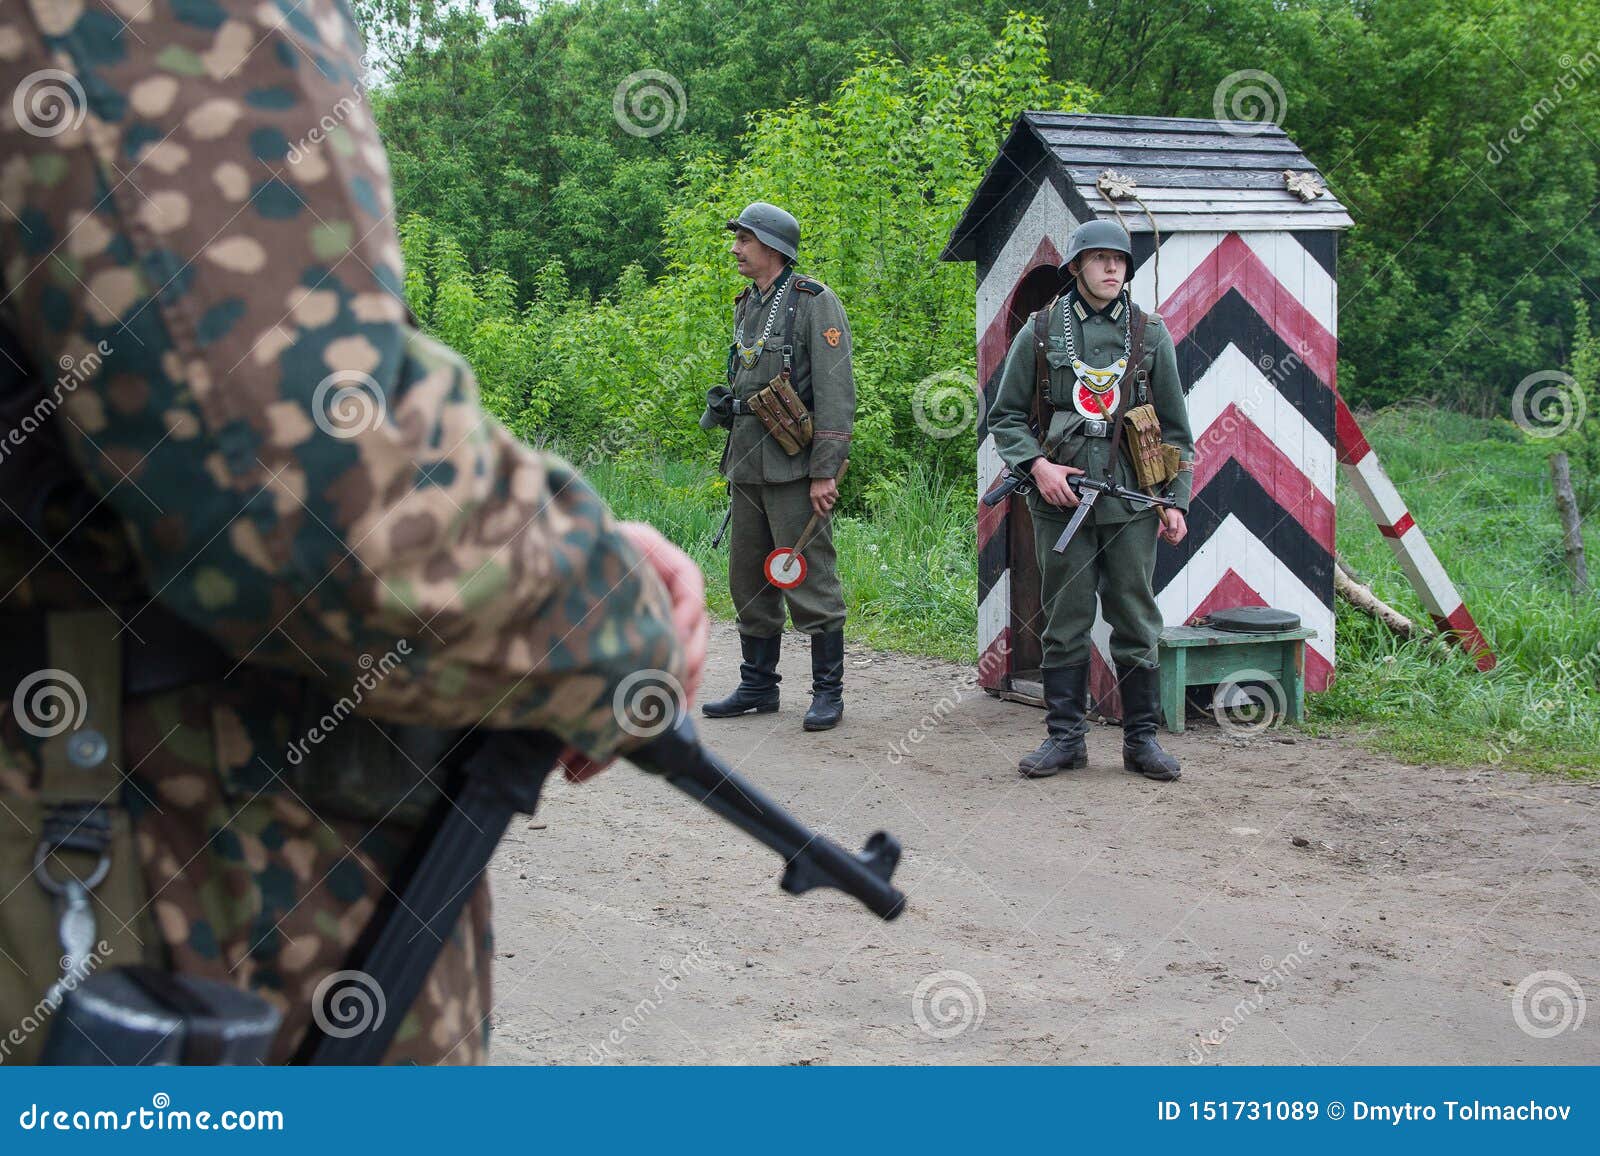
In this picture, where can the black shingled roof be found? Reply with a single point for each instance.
(1175, 163)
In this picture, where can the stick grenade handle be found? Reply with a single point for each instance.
(811, 526)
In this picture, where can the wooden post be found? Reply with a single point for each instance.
(1571, 523)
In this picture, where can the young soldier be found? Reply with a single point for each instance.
(1102, 356)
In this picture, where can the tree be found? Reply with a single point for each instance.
(878, 176)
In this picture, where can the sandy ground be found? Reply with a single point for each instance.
(1290, 900)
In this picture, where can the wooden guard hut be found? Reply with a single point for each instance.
(1234, 240)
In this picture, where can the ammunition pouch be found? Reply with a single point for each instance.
(784, 415)
(1155, 463)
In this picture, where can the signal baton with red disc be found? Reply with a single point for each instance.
(786, 566)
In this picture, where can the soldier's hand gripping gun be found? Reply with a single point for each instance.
(1089, 492)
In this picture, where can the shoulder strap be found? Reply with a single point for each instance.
(1136, 369)
(1140, 376)
(1043, 411)
(84, 762)
(788, 329)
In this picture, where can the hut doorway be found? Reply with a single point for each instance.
(1036, 289)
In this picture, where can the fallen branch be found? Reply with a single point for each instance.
(1364, 600)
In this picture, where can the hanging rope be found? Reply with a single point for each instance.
(1113, 187)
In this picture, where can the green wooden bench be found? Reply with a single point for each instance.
(1203, 655)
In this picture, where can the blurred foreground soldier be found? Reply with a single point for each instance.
(789, 406)
(243, 499)
(1073, 374)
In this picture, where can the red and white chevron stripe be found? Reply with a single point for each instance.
(1298, 304)
(1254, 316)
(1446, 607)
(1238, 415)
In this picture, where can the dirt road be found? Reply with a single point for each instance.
(1290, 900)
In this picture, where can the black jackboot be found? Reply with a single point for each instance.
(827, 681)
(1066, 697)
(758, 680)
(1141, 711)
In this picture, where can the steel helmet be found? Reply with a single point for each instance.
(774, 228)
(1098, 235)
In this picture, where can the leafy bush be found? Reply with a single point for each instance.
(877, 176)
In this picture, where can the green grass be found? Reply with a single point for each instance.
(908, 567)
(1481, 493)
(1479, 490)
